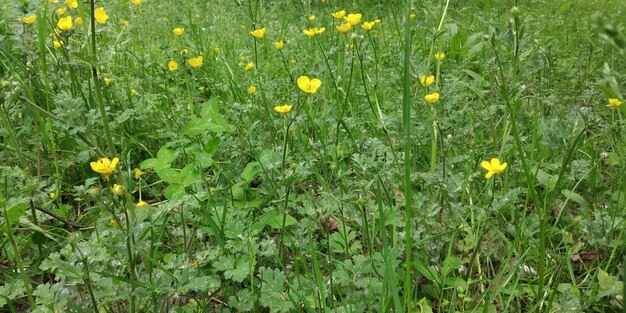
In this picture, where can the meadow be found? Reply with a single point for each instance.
(312, 156)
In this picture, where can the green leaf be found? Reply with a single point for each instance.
(251, 171)
(168, 174)
(275, 220)
(16, 211)
(449, 264)
(195, 127)
(575, 197)
(165, 155)
(149, 163)
(187, 176)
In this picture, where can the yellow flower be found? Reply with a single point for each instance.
(427, 80)
(614, 103)
(279, 44)
(79, 20)
(339, 14)
(138, 173)
(412, 16)
(284, 109)
(195, 62)
(313, 31)
(118, 190)
(258, 33)
(344, 28)
(377, 21)
(136, 2)
(29, 19)
(216, 50)
(432, 98)
(65, 23)
(493, 167)
(292, 61)
(172, 65)
(104, 166)
(100, 15)
(185, 51)
(308, 85)
(61, 11)
(439, 56)
(112, 222)
(133, 92)
(312, 18)
(52, 195)
(353, 19)
(57, 44)
(107, 81)
(368, 25)
(124, 22)
(72, 3)
(249, 66)
(52, 1)
(251, 90)
(141, 203)
(178, 31)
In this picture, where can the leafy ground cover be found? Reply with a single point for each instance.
(312, 156)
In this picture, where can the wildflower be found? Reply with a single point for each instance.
(251, 90)
(440, 56)
(313, 31)
(61, 11)
(112, 222)
(52, 1)
(412, 16)
(133, 92)
(279, 44)
(344, 28)
(312, 18)
(178, 31)
(136, 2)
(283, 109)
(614, 103)
(65, 23)
(29, 19)
(117, 190)
(493, 167)
(104, 166)
(172, 65)
(107, 81)
(57, 44)
(79, 21)
(138, 173)
(195, 62)
(258, 33)
(368, 25)
(432, 98)
(377, 21)
(52, 195)
(249, 66)
(216, 50)
(124, 22)
(427, 80)
(100, 15)
(353, 19)
(308, 85)
(141, 203)
(339, 14)
(185, 51)
(292, 61)
(72, 3)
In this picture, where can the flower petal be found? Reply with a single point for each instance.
(486, 165)
(489, 175)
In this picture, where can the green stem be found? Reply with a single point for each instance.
(18, 259)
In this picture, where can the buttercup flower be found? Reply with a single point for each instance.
(195, 62)
(118, 190)
(61, 11)
(353, 19)
(440, 56)
(432, 98)
(312, 18)
(178, 31)
(339, 14)
(216, 50)
(184, 51)
(308, 85)
(124, 22)
(72, 3)
(283, 109)
(412, 16)
(377, 21)
(100, 15)
(493, 167)
(313, 31)
(258, 33)
(249, 66)
(52, 195)
(172, 65)
(29, 19)
(104, 166)
(133, 92)
(368, 25)
(251, 90)
(136, 2)
(141, 203)
(57, 44)
(138, 173)
(344, 28)
(107, 81)
(279, 45)
(65, 23)
(614, 103)
(79, 21)
(427, 80)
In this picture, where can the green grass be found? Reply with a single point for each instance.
(363, 198)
